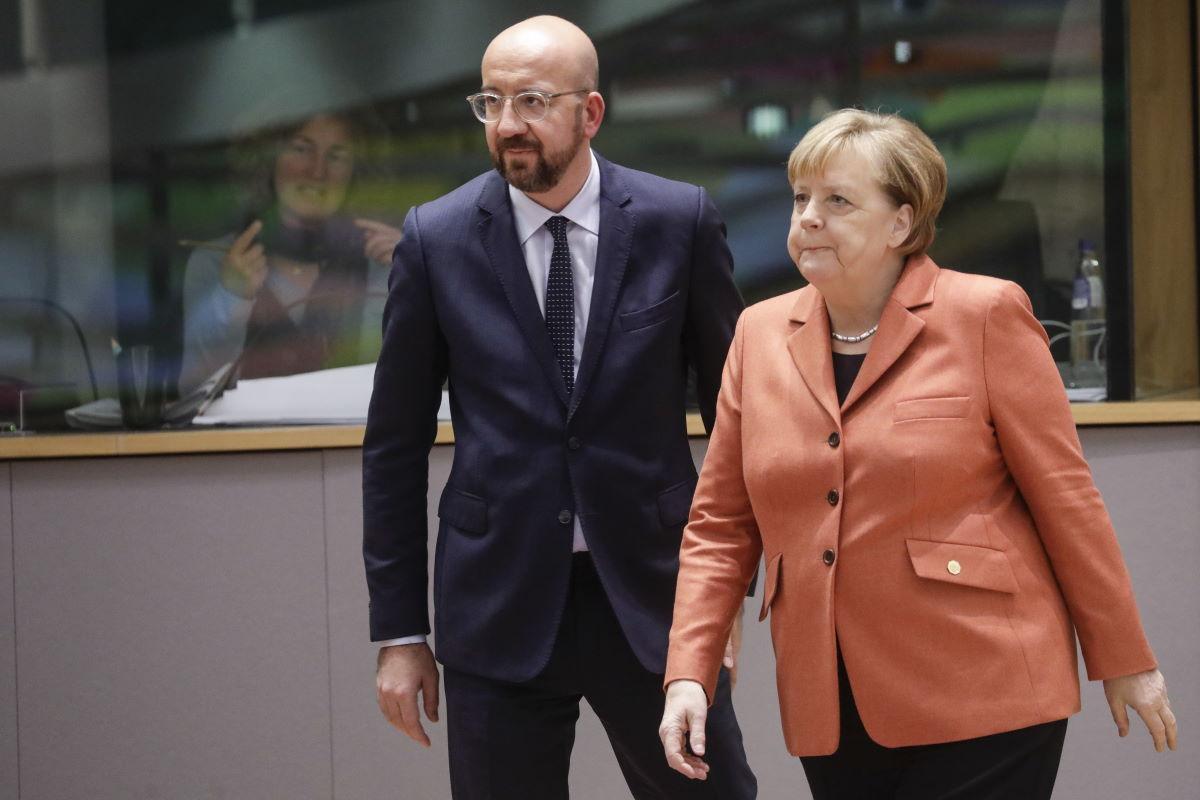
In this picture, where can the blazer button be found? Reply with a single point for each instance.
(828, 557)
(832, 497)
(834, 439)
(564, 517)
(953, 567)
(573, 443)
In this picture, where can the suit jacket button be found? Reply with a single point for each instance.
(828, 557)
(953, 567)
(564, 517)
(834, 439)
(573, 443)
(832, 497)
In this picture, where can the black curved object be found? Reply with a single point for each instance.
(47, 303)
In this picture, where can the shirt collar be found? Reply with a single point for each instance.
(583, 210)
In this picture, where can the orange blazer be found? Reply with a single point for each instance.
(942, 525)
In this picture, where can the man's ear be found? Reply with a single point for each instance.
(593, 114)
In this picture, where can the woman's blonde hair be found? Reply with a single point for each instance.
(908, 166)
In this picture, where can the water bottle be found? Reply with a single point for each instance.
(1087, 319)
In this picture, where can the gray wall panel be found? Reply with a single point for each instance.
(173, 635)
(8, 644)
(370, 758)
(1150, 479)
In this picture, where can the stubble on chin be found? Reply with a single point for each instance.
(530, 174)
(542, 173)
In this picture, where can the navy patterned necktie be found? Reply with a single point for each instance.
(560, 302)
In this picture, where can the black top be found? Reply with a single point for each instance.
(845, 370)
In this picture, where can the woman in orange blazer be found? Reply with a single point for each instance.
(895, 440)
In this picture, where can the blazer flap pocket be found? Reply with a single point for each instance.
(645, 317)
(965, 564)
(675, 503)
(931, 408)
(464, 511)
(770, 585)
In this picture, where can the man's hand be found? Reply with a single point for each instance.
(733, 648)
(1146, 692)
(404, 671)
(684, 714)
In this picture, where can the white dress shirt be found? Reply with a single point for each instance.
(537, 243)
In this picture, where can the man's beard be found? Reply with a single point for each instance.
(547, 169)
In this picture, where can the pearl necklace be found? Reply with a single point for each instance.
(867, 334)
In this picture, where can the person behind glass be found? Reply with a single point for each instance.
(286, 293)
(894, 438)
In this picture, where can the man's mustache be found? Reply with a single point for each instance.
(517, 142)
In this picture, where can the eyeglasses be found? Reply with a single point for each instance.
(531, 106)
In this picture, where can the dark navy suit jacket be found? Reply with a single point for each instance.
(528, 457)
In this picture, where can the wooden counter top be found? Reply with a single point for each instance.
(318, 437)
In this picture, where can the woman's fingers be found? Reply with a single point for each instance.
(1120, 716)
(1154, 724)
(696, 721)
(1146, 693)
(1160, 722)
(1168, 717)
(242, 242)
(244, 267)
(672, 740)
(682, 726)
(370, 225)
(380, 239)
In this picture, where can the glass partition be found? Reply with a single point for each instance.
(203, 200)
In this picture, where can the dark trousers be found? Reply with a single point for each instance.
(1015, 765)
(513, 741)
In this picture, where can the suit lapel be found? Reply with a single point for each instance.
(809, 347)
(612, 256)
(498, 234)
(898, 326)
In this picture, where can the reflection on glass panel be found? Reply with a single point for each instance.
(1011, 93)
(285, 289)
(211, 195)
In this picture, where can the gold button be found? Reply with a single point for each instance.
(953, 567)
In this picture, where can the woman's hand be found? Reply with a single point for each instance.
(1146, 692)
(381, 240)
(684, 714)
(244, 265)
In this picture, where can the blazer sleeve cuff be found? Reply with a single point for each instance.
(1129, 663)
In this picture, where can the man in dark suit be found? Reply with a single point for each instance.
(565, 298)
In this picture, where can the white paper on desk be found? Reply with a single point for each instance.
(329, 396)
